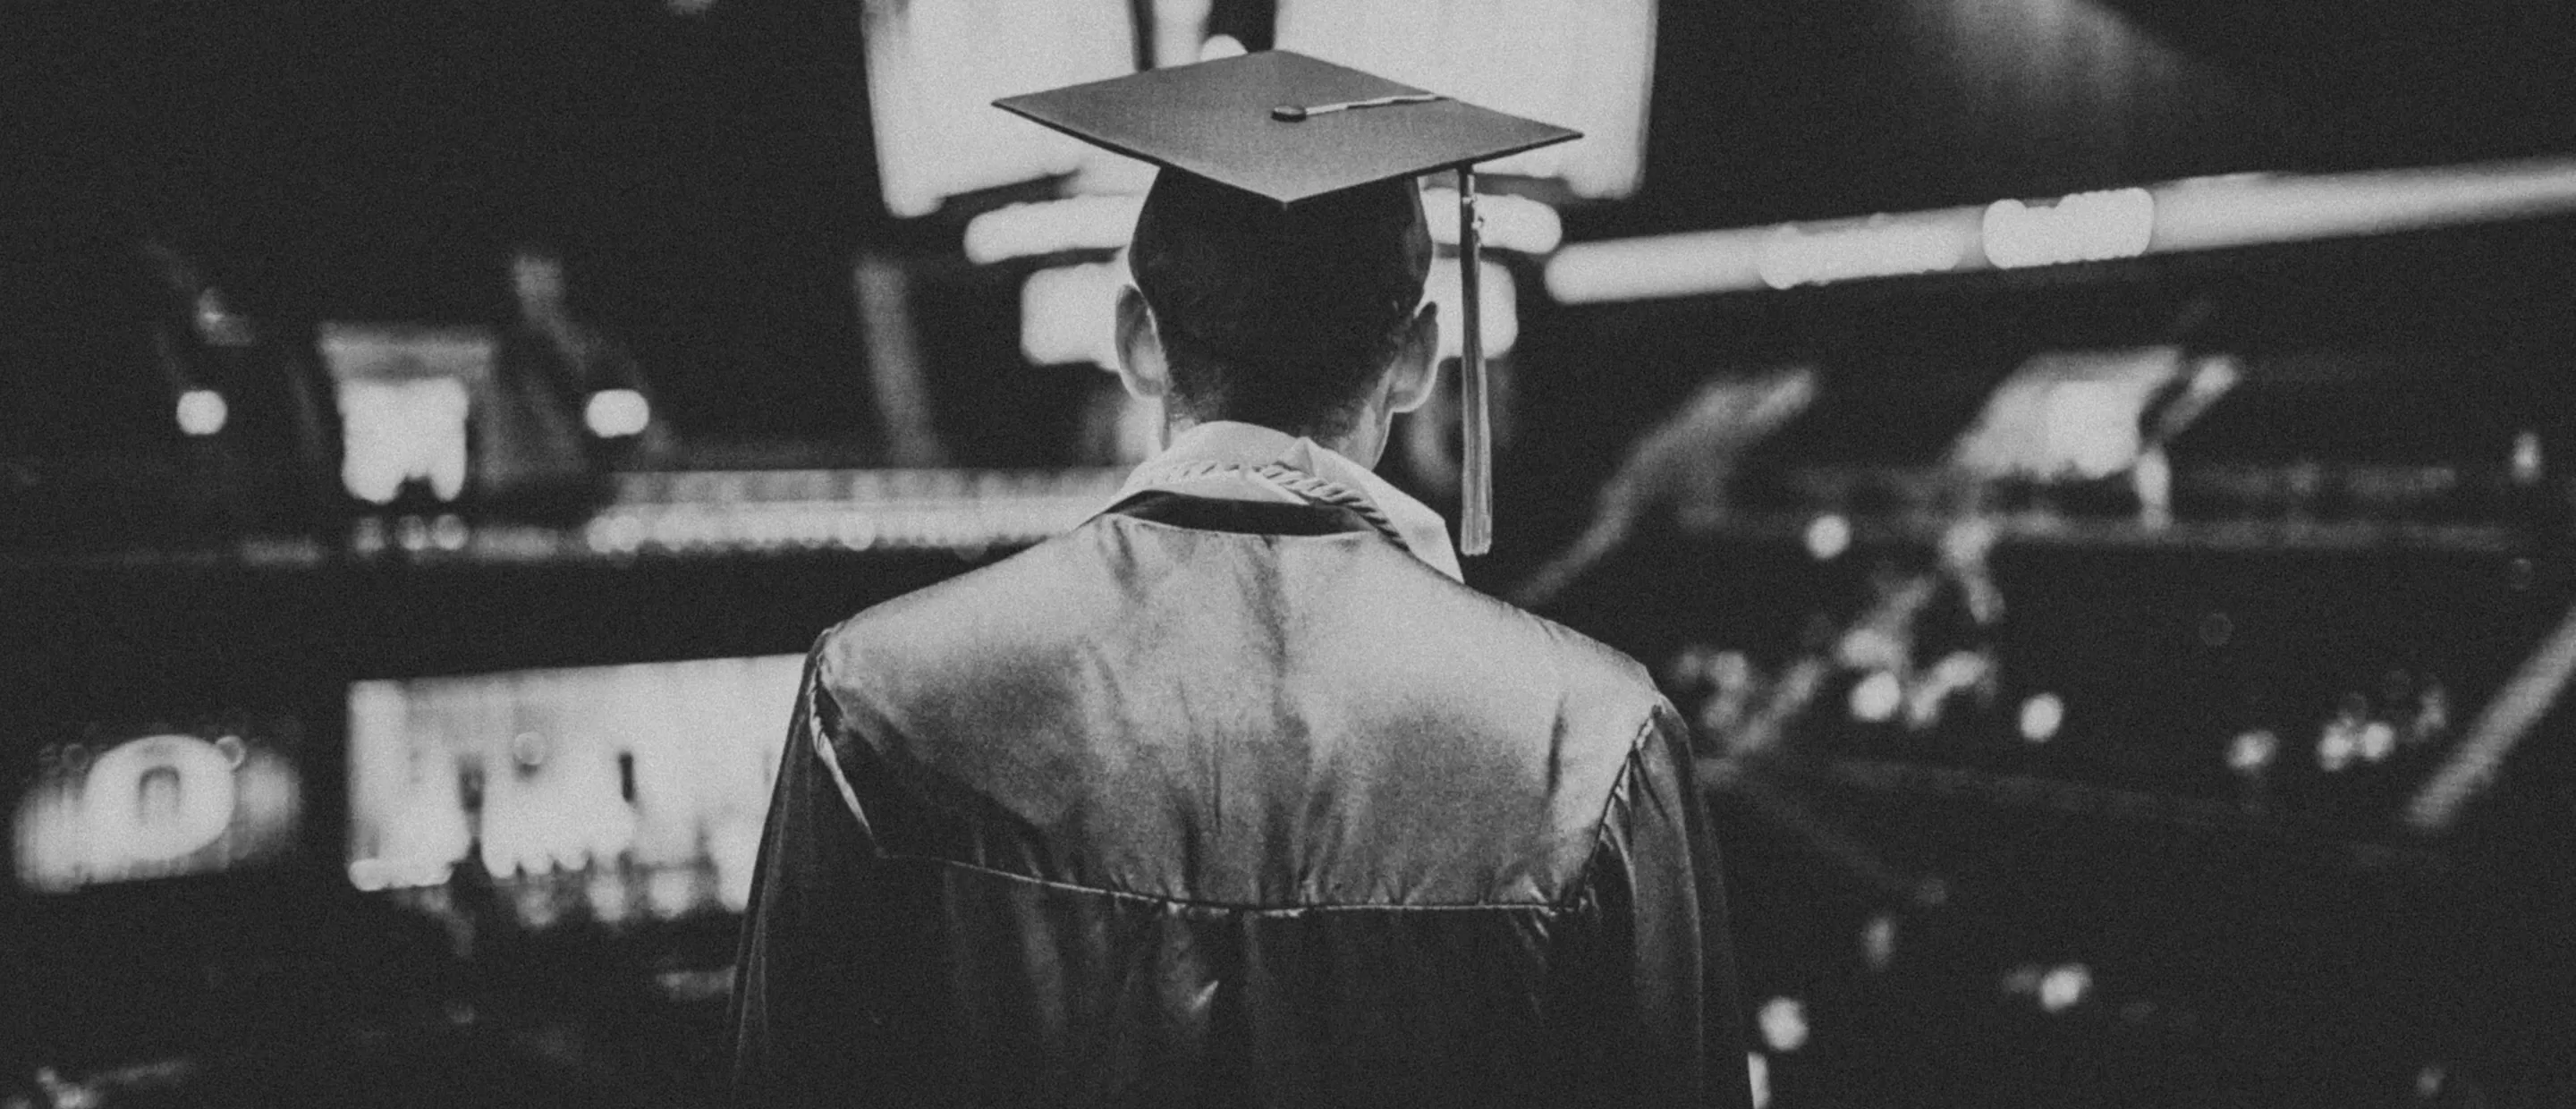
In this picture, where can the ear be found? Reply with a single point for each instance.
(1416, 370)
(1140, 350)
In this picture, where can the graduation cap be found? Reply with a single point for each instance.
(1300, 134)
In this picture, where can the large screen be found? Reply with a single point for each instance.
(165, 800)
(612, 794)
(936, 66)
(1584, 64)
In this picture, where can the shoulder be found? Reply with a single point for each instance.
(1026, 595)
(1581, 664)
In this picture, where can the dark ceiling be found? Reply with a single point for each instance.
(710, 174)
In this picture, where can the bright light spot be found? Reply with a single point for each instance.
(1967, 542)
(2152, 480)
(396, 430)
(616, 413)
(1220, 46)
(1878, 941)
(2337, 746)
(2429, 1081)
(2376, 741)
(2064, 987)
(202, 412)
(671, 892)
(1784, 1024)
(448, 532)
(2068, 413)
(2085, 227)
(1877, 247)
(1758, 1069)
(1509, 222)
(1877, 697)
(1051, 227)
(609, 894)
(2041, 716)
(2252, 751)
(1870, 648)
(1069, 315)
(1961, 669)
(2526, 458)
(1828, 536)
(155, 799)
(2023, 979)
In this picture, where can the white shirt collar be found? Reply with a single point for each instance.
(1239, 448)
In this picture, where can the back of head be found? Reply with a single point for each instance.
(1279, 315)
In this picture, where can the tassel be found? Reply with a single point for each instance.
(1476, 470)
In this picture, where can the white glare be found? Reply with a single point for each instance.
(1069, 315)
(399, 429)
(1878, 941)
(1828, 536)
(2376, 741)
(2085, 227)
(933, 71)
(1784, 1024)
(1877, 697)
(2252, 751)
(2064, 987)
(1877, 247)
(1757, 1069)
(2526, 458)
(1050, 227)
(617, 413)
(202, 412)
(2041, 716)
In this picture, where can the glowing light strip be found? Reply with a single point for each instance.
(852, 510)
(1052, 227)
(1106, 223)
(2198, 214)
(2509, 718)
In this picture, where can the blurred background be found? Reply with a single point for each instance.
(2096, 473)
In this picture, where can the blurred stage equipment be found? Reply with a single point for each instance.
(197, 418)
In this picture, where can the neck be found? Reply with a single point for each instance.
(1363, 442)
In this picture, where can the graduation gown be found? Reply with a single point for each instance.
(1217, 802)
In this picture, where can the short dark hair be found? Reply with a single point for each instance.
(1280, 316)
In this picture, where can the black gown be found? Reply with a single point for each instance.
(1213, 802)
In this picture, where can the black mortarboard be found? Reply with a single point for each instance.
(1291, 129)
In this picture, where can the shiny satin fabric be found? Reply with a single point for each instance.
(1213, 803)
